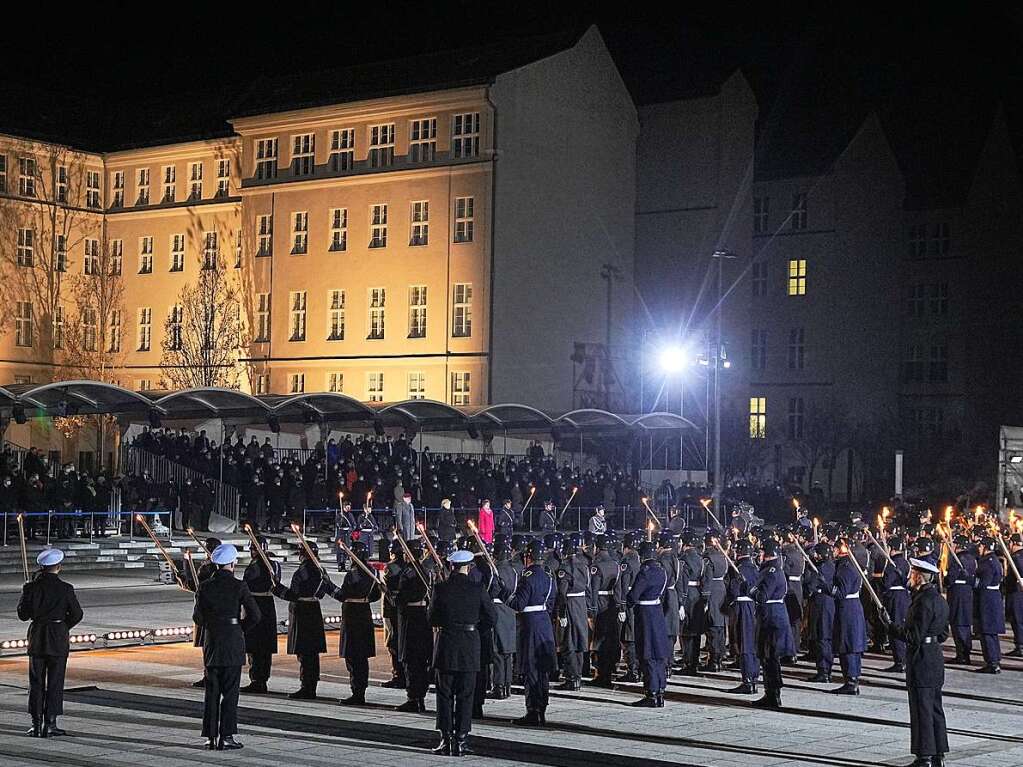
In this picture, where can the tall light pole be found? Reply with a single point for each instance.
(608, 272)
(720, 256)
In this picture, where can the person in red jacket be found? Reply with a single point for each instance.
(486, 522)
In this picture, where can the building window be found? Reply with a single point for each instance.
(263, 383)
(90, 328)
(177, 253)
(145, 255)
(913, 365)
(464, 219)
(420, 225)
(170, 175)
(758, 349)
(761, 212)
(145, 335)
(58, 327)
(117, 185)
(300, 233)
(796, 410)
(116, 257)
(937, 369)
(303, 154)
(417, 311)
(375, 387)
(61, 181)
(757, 417)
(927, 421)
(210, 250)
(918, 241)
(416, 386)
(142, 185)
(264, 235)
(262, 318)
(797, 277)
(266, 158)
(26, 255)
(60, 253)
(465, 135)
(461, 318)
(92, 196)
(460, 388)
(797, 349)
(174, 319)
(195, 181)
(143, 384)
(342, 149)
(114, 332)
(297, 301)
(759, 278)
(915, 299)
(336, 315)
(378, 226)
(938, 299)
(422, 145)
(940, 240)
(26, 177)
(377, 301)
(335, 382)
(296, 383)
(3, 174)
(381, 146)
(338, 229)
(23, 323)
(90, 265)
(223, 178)
(797, 218)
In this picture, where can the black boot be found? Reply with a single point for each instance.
(746, 688)
(647, 701)
(1015, 653)
(938, 761)
(355, 699)
(211, 744)
(256, 688)
(395, 683)
(921, 761)
(988, 668)
(228, 744)
(895, 668)
(659, 699)
(444, 747)
(771, 699)
(411, 706)
(569, 684)
(851, 687)
(820, 676)
(303, 694)
(628, 678)
(52, 730)
(37, 730)
(531, 719)
(460, 745)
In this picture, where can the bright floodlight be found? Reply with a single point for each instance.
(672, 359)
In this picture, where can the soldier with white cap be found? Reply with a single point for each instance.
(52, 607)
(226, 609)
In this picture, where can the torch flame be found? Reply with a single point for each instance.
(948, 514)
(138, 518)
(471, 524)
(795, 503)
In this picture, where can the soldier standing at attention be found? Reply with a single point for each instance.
(774, 634)
(959, 584)
(629, 569)
(537, 653)
(712, 594)
(306, 637)
(850, 632)
(358, 638)
(261, 639)
(692, 573)
(652, 647)
(604, 612)
(573, 585)
(990, 607)
(52, 607)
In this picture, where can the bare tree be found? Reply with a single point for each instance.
(825, 434)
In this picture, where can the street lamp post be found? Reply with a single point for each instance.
(720, 256)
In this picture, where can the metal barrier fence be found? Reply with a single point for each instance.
(80, 519)
(136, 460)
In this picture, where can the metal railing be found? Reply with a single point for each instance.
(60, 522)
(136, 460)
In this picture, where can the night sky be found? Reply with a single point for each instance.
(921, 66)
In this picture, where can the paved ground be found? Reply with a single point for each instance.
(136, 706)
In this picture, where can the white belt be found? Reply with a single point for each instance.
(896, 588)
(261, 593)
(775, 602)
(576, 594)
(718, 579)
(959, 582)
(744, 599)
(648, 602)
(362, 600)
(533, 608)
(852, 596)
(498, 602)
(604, 593)
(795, 577)
(421, 603)
(308, 599)
(692, 583)
(992, 588)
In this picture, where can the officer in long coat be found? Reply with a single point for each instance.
(458, 610)
(667, 555)
(692, 573)
(392, 574)
(504, 628)
(774, 634)
(959, 583)
(206, 571)
(537, 653)
(850, 632)
(990, 606)
(895, 598)
(743, 611)
(603, 609)
(358, 636)
(573, 585)
(712, 597)
(415, 637)
(629, 569)
(306, 637)
(924, 631)
(225, 608)
(52, 607)
(261, 639)
(645, 600)
(819, 586)
(794, 567)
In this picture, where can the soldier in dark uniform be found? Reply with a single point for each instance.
(850, 634)
(415, 637)
(743, 611)
(692, 573)
(344, 525)
(503, 659)
(447, 525)
(573, 585)
(1014, 596)
(504, 519)
(358, 637)
(226, 610)
(629, 569)
(820, 586)
(206, 571)
(261, 639)
(537, 653)
(924, 631)
(306, 637)
(548, 519)
(392, 574)
(712, 595)
(774, 634)
(459, 609)
(645, 600)
(895, 598)
(667, 555)
(603, 609)
(794, 566)
(991, 608)
(52, 607)
(959, 582)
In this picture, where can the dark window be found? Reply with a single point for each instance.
(797, 349)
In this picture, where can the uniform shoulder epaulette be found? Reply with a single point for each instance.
(594, 571)
(772, 570)
(527, 573)
(623, 567)
(561, 573)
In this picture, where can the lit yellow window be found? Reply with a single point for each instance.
(757, 417)
(797, 277)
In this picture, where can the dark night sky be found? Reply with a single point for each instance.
(915, 65)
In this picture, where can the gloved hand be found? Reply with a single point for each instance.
(563, 622)
(681, 613)
(886, 619)
(621, 617)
